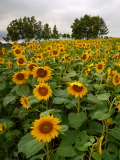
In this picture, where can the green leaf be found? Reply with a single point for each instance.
(2, 85)
(71, 74)
(10, 134)
(94, 128)
(9, 98)
(110, 153)
(66, 150)
(32, 100)
(60, 92)
(103, 96)
(81, 142)
(76, 120)
(115, 132)
(23, 90)
(14, 88)
(29, 145)
(96, 156)
(60, 100)
(94, 99)
(117, 88)
(99, 86)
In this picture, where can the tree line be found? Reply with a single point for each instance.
(29, 28)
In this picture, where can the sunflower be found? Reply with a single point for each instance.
(100, 66)
(42, 91)
(116, 79)
(1, 127)
(118, 107)
(108, 75)
(30, 67)
(77, 89)
(17, 51)
(43, 73)
(9, 64)
(21, 60)
(20, 77)
(55, 53)
(46, 128)
(85, 57)
(1, 60)
(24, 101)
(14, 43)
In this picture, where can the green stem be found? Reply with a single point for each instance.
(78, 105)
(47, 105)
(47, 152)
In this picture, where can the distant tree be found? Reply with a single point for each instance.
(55, 33)
(39, 31)
(88, 27)
(46, 33)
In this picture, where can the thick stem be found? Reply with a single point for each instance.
(47, 152)
(78, 105)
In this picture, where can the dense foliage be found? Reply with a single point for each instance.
(89, 27)
(60, 100)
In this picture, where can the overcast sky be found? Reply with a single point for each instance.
(61, 13)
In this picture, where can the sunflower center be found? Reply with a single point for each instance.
(41, 72)
(20, 76)
(54, 52)
(117, 79)
(43, 91)
(32, 66)
(21, 61)
(77, 88)
(17, 51)
(100, 66)
(46, 127)
(84, 56)
(25, 101)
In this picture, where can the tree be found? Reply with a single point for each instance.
(88, 27)
(55, 33)
(46, 32)
(39, 31)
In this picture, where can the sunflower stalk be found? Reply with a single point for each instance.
(47, 152)
(78, 108)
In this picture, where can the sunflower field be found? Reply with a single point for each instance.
(60, 100)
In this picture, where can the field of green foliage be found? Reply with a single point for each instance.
(60, 100)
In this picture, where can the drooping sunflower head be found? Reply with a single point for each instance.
(9, 64)
(20, 77)
(42, 73)
(100, 66)
(77, 89)
(24, 101)
(21, 60)
(46, 128)
(42, 91)
(116, 79)
(17, 51)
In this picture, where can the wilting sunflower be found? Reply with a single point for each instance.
(77, 89)
(42, 91)
(30, 67)
(24, 101)
(42, 73)
(100, 66)
(100, 144)
(17, 51)
(21, 60)
(116, 79)
(46, 128)
(20, 77)
(1, 127)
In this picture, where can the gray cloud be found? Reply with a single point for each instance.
(60, 12)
